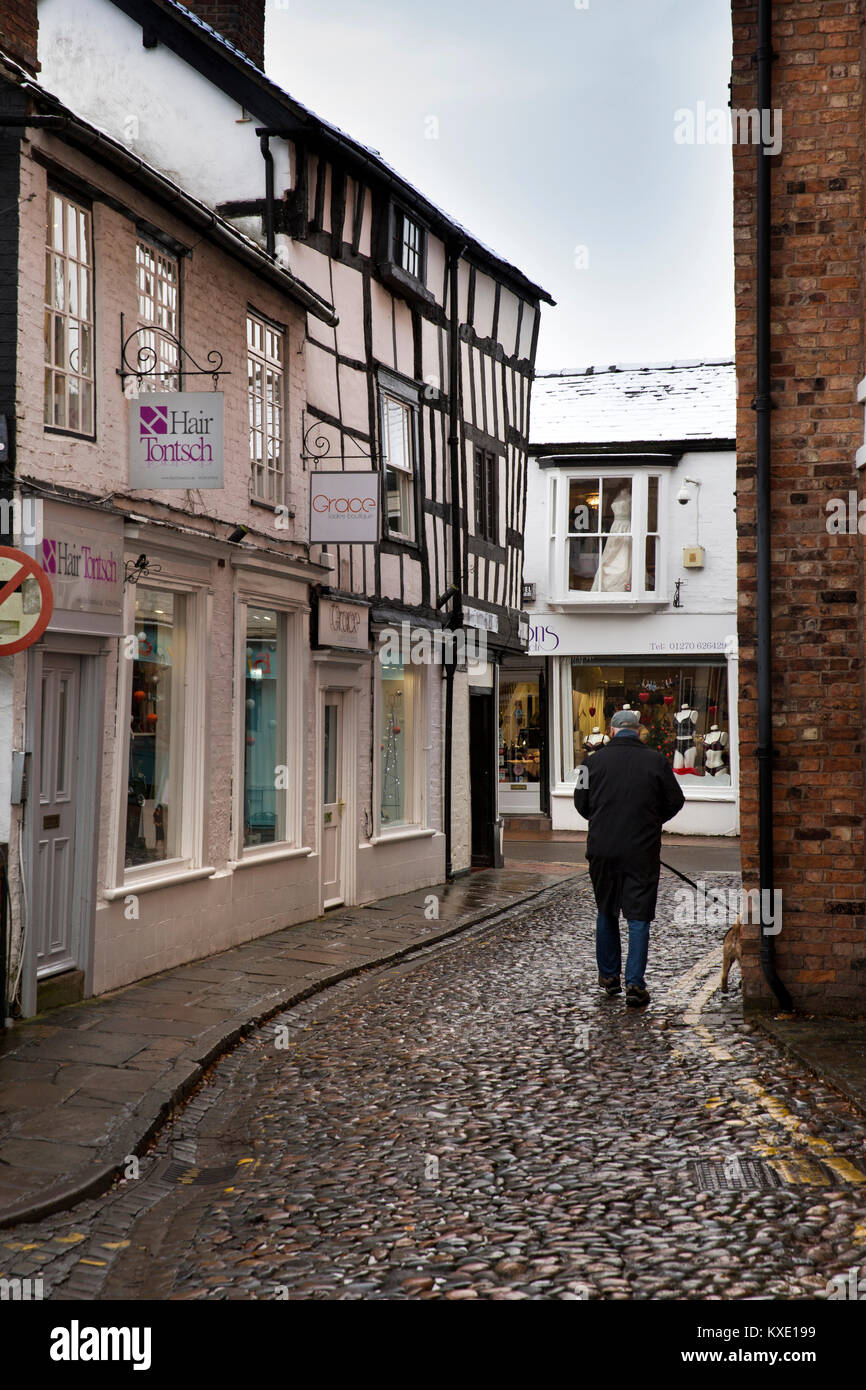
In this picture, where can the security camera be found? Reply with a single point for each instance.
(683, 495)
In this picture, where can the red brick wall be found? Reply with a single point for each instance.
(817, 360)
(18, 32)
(242, 22)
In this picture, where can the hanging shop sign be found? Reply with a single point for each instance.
(26, 601)
(176, 440)
(344, 507)
(343, 624)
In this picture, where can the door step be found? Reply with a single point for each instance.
(538, 822)
(56, 990)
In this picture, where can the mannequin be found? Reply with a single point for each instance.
(686, 750)
(594, 740)
(614, 572)
(714, 742)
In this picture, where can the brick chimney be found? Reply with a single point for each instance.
(242, 22)
(19, 29)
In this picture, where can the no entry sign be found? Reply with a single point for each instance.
(26, 601)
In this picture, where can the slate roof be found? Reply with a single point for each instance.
(634, 403)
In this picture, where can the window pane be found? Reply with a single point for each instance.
(615, 571)
(264, 729)
(154, 805)
(651, 555)
(583, 563)
(396, 744)
(683, 712)
(652, 522)
(520, 731)
(583, 499)
(397, 501)
(329, 771)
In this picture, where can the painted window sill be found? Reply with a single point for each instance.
(154, 881)
(406, 832)
(277, 854)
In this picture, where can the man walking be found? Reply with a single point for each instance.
(631, 791)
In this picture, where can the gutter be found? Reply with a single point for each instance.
(762, 406)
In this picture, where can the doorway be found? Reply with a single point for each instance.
(482, 786)
(333, 801)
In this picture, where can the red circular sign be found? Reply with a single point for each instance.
(28, 569)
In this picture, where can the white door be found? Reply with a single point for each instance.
(332, 800)
(55, 923)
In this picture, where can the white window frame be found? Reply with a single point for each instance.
(293, 626)
(197, 603)
(638, 595)
(408, 474)
(420, 755)
(84, 319)
(166, 373)
(273, 475)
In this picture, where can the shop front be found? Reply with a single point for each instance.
(684, 692)
(523, 779)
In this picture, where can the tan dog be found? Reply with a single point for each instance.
(732, 950)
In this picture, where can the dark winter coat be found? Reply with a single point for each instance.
(632, 791)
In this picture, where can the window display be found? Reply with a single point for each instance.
(264, 728)
(153, 817)
(683, 713)
(520, 730)
(397, 723)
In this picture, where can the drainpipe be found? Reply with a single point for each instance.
(265, 146)
(762, 405)
(455, 250)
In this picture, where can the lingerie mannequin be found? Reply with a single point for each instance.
(686, 751)
(714, 742)
(594, 740)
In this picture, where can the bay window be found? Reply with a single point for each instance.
(605, 541)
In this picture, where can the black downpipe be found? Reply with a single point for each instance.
(762, 406)
(454, 253)
(265, 146)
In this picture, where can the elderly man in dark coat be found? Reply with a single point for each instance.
(630, 791)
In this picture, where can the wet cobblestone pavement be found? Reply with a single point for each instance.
(483, 1123)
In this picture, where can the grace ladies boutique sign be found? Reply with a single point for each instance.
(344, 507)
(176, 439)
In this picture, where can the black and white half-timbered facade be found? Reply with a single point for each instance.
(418, 398)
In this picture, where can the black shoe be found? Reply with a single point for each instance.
(636, 996)
(610, 984)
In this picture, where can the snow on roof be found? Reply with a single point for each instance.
(635, 403)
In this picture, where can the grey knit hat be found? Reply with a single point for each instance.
(625, 719)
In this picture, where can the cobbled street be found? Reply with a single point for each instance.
(482, 1122)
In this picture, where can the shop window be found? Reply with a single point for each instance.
(683, 713)
(610, 538)
(520, 731)
(68, 317)
(154, 822)
(398, 699)
(398, 459)
(265, 371)
(264, 751)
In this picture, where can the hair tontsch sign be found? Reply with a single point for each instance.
(176, 440)
(344, 507)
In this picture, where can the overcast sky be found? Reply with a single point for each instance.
(555, 133)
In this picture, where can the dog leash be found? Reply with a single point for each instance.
(707, 892)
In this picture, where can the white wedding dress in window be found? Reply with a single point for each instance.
(614, 572)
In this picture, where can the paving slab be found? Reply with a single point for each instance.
(85, 1086)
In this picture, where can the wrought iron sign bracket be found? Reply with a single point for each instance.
(147, 362)
(318, 445)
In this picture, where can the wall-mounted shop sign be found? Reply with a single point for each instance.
(176, 439)
(344, 507)
(343, 624)
(477, 617)
(81, 552)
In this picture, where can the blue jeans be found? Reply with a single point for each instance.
(608, 950)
